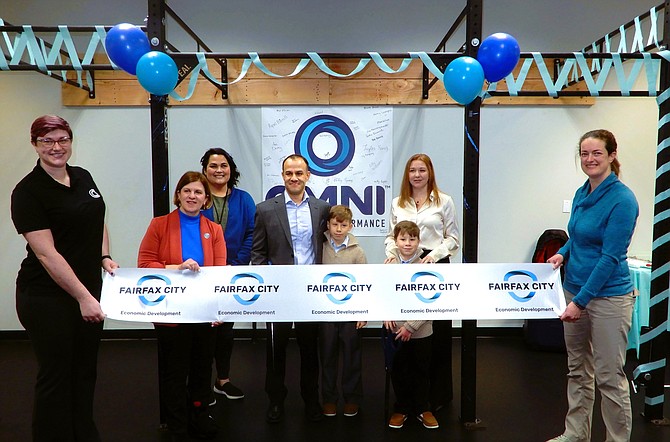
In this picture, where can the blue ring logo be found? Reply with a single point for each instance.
(513, 273)
(158, 300)
(335, 127)
(255, 297)
(330, 296)
(433, 298)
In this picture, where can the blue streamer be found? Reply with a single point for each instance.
(318, 61)
(658, 298)
(654, 333)
(658, 400)
(661, 271)
(650, 366)
(514, 86)
(662, 122)
(384, 67)
(428, 63)
(255, 59)
(660, 240)
(472, 142)
(662, 216)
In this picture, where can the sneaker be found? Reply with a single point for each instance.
(562, 438)
(350, 410)
(228, 390)
(397, 420)
(212, 400)
(200, 424)
(329, 409)
(428, 420)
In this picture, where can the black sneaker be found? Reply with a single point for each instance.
(200, 424)
(228, 390)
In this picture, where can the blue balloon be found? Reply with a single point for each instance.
(125, 44)
(498, 54)
(157, 73)
(464, 79)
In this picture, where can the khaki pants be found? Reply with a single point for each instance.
(596, 346)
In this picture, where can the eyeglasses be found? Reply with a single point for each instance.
(48, 142)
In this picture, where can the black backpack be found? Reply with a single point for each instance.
(548, 244)
(546, 334)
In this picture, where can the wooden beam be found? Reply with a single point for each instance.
(371, 86)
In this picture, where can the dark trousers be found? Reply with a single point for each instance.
(409, 375)
(186, 351)
(441, 376)
(333, 337)
(66, 349)
(223, 350)
(277, 336)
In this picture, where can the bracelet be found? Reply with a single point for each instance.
(105, 257)
(579, 306)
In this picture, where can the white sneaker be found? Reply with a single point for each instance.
(562, 438)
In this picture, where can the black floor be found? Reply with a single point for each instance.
(520, 397)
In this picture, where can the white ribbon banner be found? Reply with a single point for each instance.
(370, 292)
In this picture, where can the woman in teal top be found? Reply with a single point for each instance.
(599, 292)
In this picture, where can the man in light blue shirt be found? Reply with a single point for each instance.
(289, 231)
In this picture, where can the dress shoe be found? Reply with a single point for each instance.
(275, 413)
(428, 420)
(329, 409)
(397, 420)
(313, 413)
(350, 410)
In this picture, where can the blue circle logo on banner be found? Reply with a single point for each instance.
(151, 302)
(335, 127)
(522, 273)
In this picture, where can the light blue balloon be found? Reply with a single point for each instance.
(464, 79)
(157, 73)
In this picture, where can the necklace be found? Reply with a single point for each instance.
(220, 209)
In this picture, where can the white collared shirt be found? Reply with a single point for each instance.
(438, 230)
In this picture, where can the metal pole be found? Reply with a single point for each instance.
(471, 224)
(654, 339)
(159, 126)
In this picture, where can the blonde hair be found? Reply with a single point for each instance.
(406, 187)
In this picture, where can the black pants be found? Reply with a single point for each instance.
(66, 349)
(441, 377)
(223, 350)
(277, 334)
(185, 376)
(409, 375)
(441, 371)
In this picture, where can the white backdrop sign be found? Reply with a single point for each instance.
(370, 292)
(350, 154)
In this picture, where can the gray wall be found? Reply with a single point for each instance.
(528, 163)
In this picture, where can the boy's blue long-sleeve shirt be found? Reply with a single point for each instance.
(601, 228)
(239, 227)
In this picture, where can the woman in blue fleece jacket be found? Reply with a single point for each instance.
(234, 210)
(599, 292)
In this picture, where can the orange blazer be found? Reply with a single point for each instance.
(161, 244)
